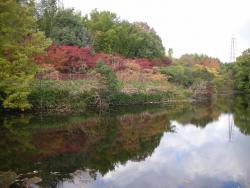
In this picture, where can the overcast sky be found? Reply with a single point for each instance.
(187, 26)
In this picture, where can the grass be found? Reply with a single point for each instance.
(62, 96)
(79, 86)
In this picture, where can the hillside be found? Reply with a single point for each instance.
(94, 60)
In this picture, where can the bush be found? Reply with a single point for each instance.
(109, 76)
(175, 74)
(186, 75)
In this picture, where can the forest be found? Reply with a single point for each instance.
(56, 59)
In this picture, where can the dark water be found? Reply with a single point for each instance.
(179, 146)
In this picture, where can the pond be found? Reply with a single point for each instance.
(177, 146)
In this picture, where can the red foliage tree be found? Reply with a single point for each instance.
(68, 58)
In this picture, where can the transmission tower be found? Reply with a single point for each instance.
(233, 49)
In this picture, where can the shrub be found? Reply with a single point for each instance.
(68, 58)
(186, 75)
(108, 74)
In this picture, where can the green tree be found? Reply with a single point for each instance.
(147, 43)
(101, 21)
(45, 14)
(68, 28)
(242, 72)
(111, 35)
(18, 46)
(101, 25)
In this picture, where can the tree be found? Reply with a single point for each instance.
(101, 21)
(111, 35)
(68, 29)
(68, 59)
(18, 46)
(101, 25)
(242, 72)
(45, 14)
(148, 44)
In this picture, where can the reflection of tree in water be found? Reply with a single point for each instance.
(130, 137)
(197, 114)
(202, 114)
(15, 143)
(96, 144)
(241, 111)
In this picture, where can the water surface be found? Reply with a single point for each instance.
(177, 146)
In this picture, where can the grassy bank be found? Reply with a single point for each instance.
(60, 96)
(105, 86)
(79, 95)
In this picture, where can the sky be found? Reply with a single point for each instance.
(186, 26)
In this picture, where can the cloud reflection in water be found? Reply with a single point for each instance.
(214, 156)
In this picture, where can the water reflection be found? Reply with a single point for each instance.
(191, 157)
(203, 145)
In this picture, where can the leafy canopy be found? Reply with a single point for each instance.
(18, 46)
(68, 29)
(45, 14)
(242, 72)
(111, 35)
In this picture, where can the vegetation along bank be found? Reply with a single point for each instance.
(54, 59)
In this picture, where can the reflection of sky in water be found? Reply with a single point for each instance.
(191, 157)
